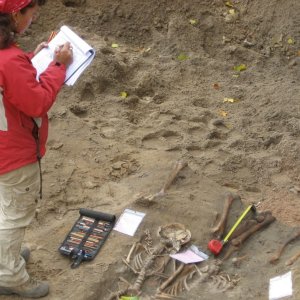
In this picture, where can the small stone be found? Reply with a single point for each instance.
(73, 3)
(57, 146)
(230, 18)
(218, 122)
(131, 100)
(90, 185)
(294, 62)
(295, 190)
(78, 110)
(248, 44)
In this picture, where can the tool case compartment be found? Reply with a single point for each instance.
(87, 236)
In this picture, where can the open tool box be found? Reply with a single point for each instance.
(87, 236)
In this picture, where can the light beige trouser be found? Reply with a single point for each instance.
(296, 281)
(18, 198)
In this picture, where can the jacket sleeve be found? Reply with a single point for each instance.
(32, 97)
(30, 54)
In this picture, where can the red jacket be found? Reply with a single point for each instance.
(22, 98)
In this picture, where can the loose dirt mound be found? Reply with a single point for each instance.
(176, 62)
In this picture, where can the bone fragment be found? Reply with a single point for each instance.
(129, 266)
(238, 241)
(128, 258)
(237, 260)
(220, 227)
(147, 200)
(279, 252)
(177, 168)
(242, 228)
(163, 296)
(180, 284)
(245, 235)
(124, 280)
(229, 251)
(171, 278)
(292, 259)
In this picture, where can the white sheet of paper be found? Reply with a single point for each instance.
(83, 54)
(189, 256)
(129, 221)
(281, 286)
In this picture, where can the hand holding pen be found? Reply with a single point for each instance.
(64, 54)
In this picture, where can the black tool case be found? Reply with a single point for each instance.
(87, 236)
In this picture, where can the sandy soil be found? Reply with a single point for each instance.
(175, 61)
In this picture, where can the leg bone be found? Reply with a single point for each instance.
(239, 240)
(177, 168)
(171, 278)
(147, 200)
(279, 252)
(220, 227)
(233, 248)
(242, 228)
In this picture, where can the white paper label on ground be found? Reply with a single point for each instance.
(187, 257)
(129, 221)
(281, 286)
(191, 255)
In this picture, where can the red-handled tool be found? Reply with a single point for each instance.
(216, 246)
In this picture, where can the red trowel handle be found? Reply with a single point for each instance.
(215, 246)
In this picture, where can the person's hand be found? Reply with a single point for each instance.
(40, 47)
(64, 54)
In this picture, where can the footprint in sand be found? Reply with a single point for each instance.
(162, 140)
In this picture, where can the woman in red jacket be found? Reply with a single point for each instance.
(24, 103)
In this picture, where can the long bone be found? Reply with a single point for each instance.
(165, 296)
(132, 249)
(243, 227)
(279, 252)
(150, 199)
(257, 218)
(220, 227)
(171, 278)
(238, 241)
(180, 279)
(179, 282)
(245, 235)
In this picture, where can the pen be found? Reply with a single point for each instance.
(51, 36)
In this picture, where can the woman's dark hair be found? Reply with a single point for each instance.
(7, 25)
(6, 36)
(32, 4)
